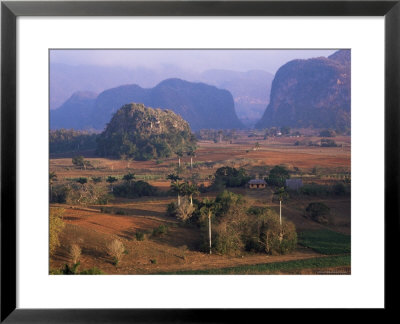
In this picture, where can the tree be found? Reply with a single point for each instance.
(282, 194)
(82, 180)
(192, 153)
(78, 161)
(207, 209)
(185, 211)
(257, 146)
(277, 176)
(285, 130)
(129, 177)
(96, 179)
(179, 154)
(116, 249)
(179, 188)
(192, 190)
(318, 212)
(56, 225)
(111, 180)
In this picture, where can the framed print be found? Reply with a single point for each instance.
(175, 157)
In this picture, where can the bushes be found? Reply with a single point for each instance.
(318, 212)
(313, 189)
(115, 249)
(160, 230)
(230, 177)
(78, 194)
(56, 225)
(325, 142)
(237, 227)
(134, 189)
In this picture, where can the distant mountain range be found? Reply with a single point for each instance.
(311, 93)
(202, 105)
(250, 89)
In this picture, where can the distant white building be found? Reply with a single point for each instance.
(294, 184)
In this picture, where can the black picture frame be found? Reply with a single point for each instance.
(10, 10)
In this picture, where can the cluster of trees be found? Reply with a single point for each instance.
(277, 176)
(276, 131)
(69, 140)
(130, 188)
(141, 133)
(217, 136)
(226, 177)
(229, 225)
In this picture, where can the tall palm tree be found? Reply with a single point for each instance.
(192, 190)
(208, 209)
(192, 153)
(111, 180)
(179, 154)
(282, 194)
(180, 189)
(175, 185)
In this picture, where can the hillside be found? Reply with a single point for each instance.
(202, 105)
(311, 93)
(75, 112)
(143, 133)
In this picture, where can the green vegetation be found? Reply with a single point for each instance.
(56, 226)
(69, 140)
(142, 133)
(229, 177)
(326, 142)
(81, 193)
(325, 241)
(327, 133)
(277, 176)
(134, 189)
(276, 267)
(318, 212)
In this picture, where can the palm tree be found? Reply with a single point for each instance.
(257, 146)
(180, 189)
(179, 154)
(129, 177)
(207, 209)
(192, 153)
(192, 190)
(175, 185)
(111, 180)
(282, 194)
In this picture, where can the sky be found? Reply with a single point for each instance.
(195, 60)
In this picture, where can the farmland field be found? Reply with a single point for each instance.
(155, 242)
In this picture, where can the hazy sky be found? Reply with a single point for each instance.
(196, 60)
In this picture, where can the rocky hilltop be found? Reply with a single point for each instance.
(311, 93)
(202, 105)
(144, 133)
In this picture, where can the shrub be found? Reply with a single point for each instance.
(275, 238)
(75, 253)
(139, 236)
(56, 225)
(160, 230)
(325, 142)
(115, 249)
(171, 209)
(318, 212)
(185, 211)
(134, 189)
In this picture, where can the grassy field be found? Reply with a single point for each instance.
(288, 267)
(325, 241)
